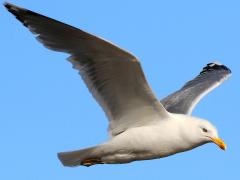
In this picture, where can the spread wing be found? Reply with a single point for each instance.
(113, 76)
(184, 100)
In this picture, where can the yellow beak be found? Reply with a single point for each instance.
(219, 142)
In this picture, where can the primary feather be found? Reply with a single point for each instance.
(184, 100)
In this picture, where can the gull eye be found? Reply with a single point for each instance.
(204, 130)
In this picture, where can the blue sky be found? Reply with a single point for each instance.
(46, 108)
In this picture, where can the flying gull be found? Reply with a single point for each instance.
(141, 126)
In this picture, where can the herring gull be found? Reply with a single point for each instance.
(141, 126)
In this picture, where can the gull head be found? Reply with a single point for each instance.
(198, 132)
(209, 133)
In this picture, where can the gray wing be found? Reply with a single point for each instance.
(184, 100)
(113, 76)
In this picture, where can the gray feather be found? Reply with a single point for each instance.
(184, 100)
(113, 76)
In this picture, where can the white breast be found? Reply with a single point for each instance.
(160, 139)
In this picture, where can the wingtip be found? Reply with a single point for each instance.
(13, 8)
(17, 11)
(215, 65)
(9, 6)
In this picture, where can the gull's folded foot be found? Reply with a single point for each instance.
(91, 161)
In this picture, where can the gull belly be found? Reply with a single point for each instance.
(141, 143)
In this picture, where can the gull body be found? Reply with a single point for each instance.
(178, 133)
(141, 127)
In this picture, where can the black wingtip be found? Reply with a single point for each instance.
(11, 7)
(215, 66)
(18, 12)
(7, 5)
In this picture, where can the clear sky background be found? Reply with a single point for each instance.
(45, 107)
